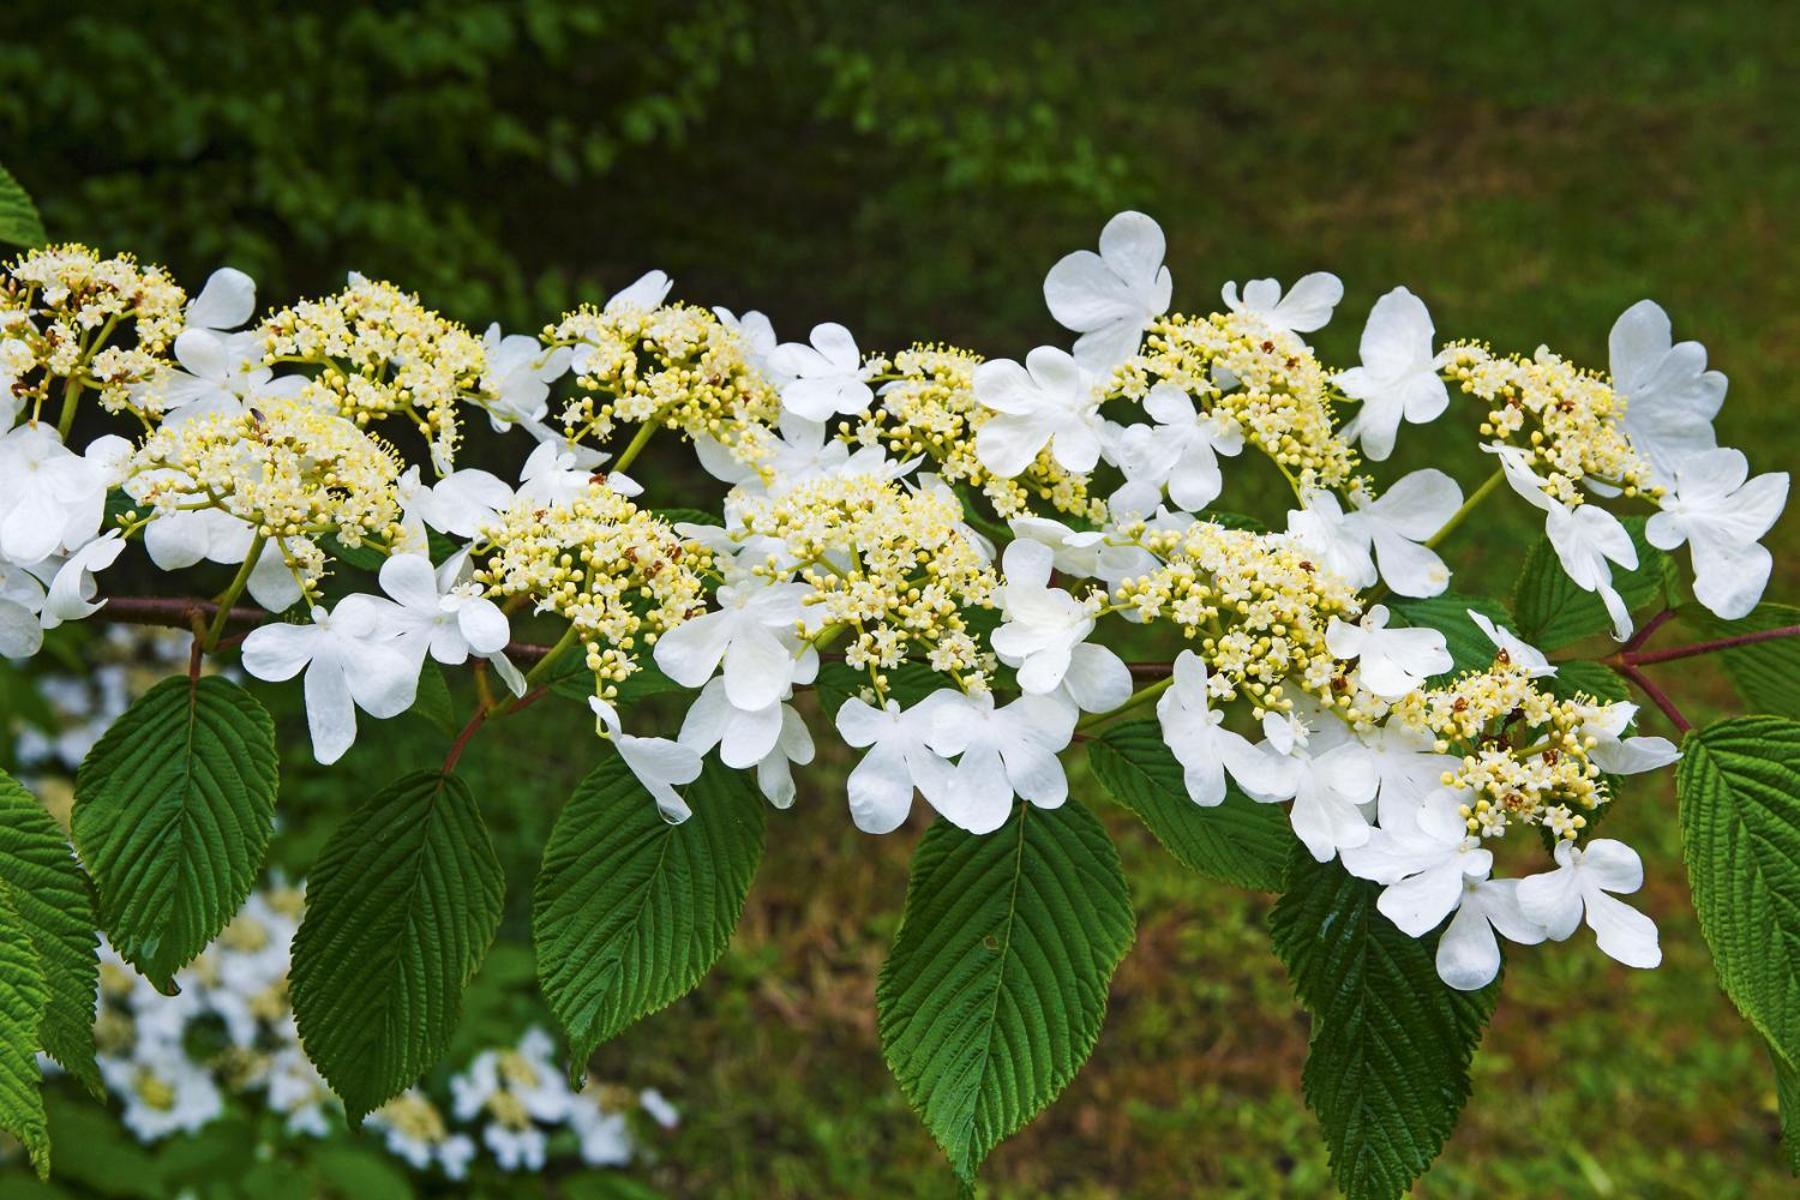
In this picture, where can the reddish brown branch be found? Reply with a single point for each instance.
(1638, 658)
(1659, 697)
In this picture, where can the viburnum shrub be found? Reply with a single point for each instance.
(944, 550)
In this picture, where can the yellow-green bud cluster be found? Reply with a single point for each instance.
(381, 353)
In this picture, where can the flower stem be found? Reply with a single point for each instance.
(1659, 697)
(636, 446)
(1460, 515)
(1139, 698)
(563, 644)
(233, 590)
(1638, 658)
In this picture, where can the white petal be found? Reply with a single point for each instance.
(691, 652)
(1623, 932)
(278, 652)
(1468, 955)
(226, 301)
(1098, 679)
(880, 789)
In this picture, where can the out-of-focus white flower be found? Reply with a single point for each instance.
(660, 764)
(1670, 396)
(1045, 631)
(414, 1130)
(825, 379)
(1110, 298)
(352, 659)
(1398, 379)
(1720, 513)
(899, 759)
(1306, 307)
(164, 1091)
(1390, 662)
(1583, 881)
(1046, 402)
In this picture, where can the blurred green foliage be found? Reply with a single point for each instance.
(1530, 169)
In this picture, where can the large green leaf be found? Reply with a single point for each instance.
(173, 811)
(1739, 789)
(1470, 649)
(19, 221)
(1239, 841)
(400, 909)
(1388, 1067)
(996, 988)
(1553, 611)
(55, 902)
(1766, 674)
(630, 911)
(23, 997)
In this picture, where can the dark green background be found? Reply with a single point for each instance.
(1530, 169)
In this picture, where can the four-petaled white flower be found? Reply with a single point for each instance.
(52, 500)
(827, 378)
(1007, 751)
(1306, 307)
(441, 613)
(899, 759)
(767, 738)
(1582, 883)
(660, 764)
(757, 335)
(1670, 396)
(1045, 631)
(1180, 451)
(1468, 954)
(1398, 379)
(1110, 298)
(1192, 730)
(352, 658)
(1047, 402)
(1423, 856)
(1585, 537)
(753, 632)
(1720, 512)
(1384, 538)
(1326, 772)
(520, 370)
(1390, 662)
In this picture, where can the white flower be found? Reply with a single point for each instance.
(1407, 767)
(164, 1091)
(1206, 751)
(352, 660)
(1048, 401)
(520, 370)
(659, 763)
(70, 596)
(1468, 954)
(1091, 554)
(1398, 379)
(768, 739)
(1326, 772)
(1422, 854)
(826, 378)
(1670, 396)
(757, 334)
(175, 540)
(1045, 632)
(1622, 756)
(1584, 537)
(900, 758)
(1180, 450)
(1006, 751)
(1383, 538)
(221, 373)
(1518, 651)
(1110, 298)
(414, 1131)
(1720, 512)
(51, 499)
(605, 1137)
(463, 501)
(21, 599)
(440, 612)
(753, 633)
(555, 473)
(1390, 662)
(224, 303)
(527, 1074)
(1582, 882)
(1306, 307)
(646, 292)
(657, 1106)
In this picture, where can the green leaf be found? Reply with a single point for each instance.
(1587, 678)
(1739, 790)
(432, 703)
(995, 990)
(1470, 649)
(20, 224)
(23, 997)
(1553, 611)
(629, 911)
(1239, 841)
(1764, 673)
(55, 902)
(909, 683)
(1388, 1067)
(173, 811)
(400, 909)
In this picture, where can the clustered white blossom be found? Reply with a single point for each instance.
(929, 514)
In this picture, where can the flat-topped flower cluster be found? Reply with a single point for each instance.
(950, 534)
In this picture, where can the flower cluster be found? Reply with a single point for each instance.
(959, 533)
